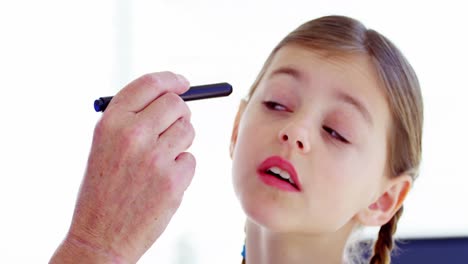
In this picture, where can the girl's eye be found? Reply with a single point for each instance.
(274, 106)
(335, 135)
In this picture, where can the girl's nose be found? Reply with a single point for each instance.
(296, 136)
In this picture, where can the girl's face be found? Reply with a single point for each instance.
(324, 123)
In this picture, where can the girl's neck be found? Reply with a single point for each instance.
(266, 247)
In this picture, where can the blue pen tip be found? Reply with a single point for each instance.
(97, 105)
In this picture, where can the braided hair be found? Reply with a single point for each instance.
(385, 242)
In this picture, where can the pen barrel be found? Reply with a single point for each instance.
(207, 91)
(194, 93)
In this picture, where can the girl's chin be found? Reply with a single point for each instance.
(266, 216)
(275, 218)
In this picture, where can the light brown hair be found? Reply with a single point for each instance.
(339, 35)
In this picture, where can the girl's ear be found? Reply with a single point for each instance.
(235, 128)
(382, 210)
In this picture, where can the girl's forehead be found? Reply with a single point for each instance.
(306, 63)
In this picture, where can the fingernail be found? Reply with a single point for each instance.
(182, 79)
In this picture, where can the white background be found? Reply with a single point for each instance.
(56, 57)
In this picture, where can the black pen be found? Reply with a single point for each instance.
(194, 93)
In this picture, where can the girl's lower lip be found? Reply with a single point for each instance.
(275, 182)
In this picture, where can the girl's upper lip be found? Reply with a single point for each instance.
(283, 164)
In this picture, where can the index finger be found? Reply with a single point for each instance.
(141, 92)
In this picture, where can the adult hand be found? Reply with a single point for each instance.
(136, 174)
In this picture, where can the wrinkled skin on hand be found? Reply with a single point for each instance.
(136, 174)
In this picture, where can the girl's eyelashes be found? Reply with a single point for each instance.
(335, 135)
(274, 106)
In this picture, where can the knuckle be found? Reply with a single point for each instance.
(183, 128)
(174, 201)
(102, 125)
(134, 131)
(157, 163)
(156, 78)
(191, 162)
(169, 187)
(106, 126)
(133, 134)
(176, 103)
(189, 131)
(188, 164)
(173, 100)
(186, 112)
(170, 190)
(168, 74)
(151, 79)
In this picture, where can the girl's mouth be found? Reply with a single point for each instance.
(278, 172)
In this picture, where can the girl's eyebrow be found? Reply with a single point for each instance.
(296, 74)
(340, 95)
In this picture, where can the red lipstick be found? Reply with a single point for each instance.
(280, 173)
